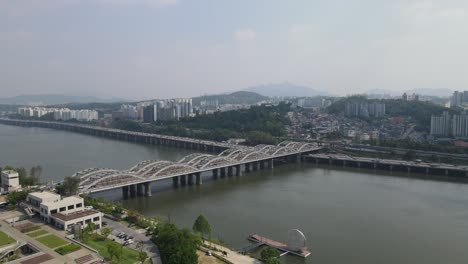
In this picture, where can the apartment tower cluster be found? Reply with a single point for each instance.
(365, 109)
(447, 125)
(63, 114)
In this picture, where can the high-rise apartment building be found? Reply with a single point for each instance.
(440, 125)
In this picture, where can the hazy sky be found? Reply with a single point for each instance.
(174, 48)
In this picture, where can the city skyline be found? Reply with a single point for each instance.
(179, 48)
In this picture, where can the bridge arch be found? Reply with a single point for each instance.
(278, 150)
(177, 166)
(303, 146)
(249, 154)
(194, 158)
(215, 159)
(126, 177)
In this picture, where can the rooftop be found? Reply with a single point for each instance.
(46, 196)
(9, 172)
(64, 201)
(75, 215)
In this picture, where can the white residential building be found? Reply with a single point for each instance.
(10, 181)
(62, 212)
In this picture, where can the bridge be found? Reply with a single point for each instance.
(125, 135)
(136, 181)
(389, 164)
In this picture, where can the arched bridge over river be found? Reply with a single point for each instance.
(136, 181)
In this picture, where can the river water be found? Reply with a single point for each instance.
(347, 215)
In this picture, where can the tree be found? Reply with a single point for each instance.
(105, 232)
(35, 174)
(16, 197)
(269, 253)
(88, 231)
(273, 261)
(69, 186)
(176, 245)
(202, 226)
(113, 250)
(142, 256)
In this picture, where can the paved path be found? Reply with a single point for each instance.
(148, 246)
(235, 257)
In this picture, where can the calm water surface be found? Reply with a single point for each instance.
(348, 216)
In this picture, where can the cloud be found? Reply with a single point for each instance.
(151, 3)
(245, 35)
(300, 29)
(427, 12)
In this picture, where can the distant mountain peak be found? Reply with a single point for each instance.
(285, 89)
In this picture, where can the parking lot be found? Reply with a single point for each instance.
(138, 235)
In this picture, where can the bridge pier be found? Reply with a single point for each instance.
(409, 169)
(190, 179)
(255, 165)
(125, 192)
(140, 189)
(175, 181)
(247, 167)
(223, 171)
(261, 164)
(427, 170)
(238, 170)
(215, 173)
(299, 158)
(147, 189)
(199, 179)
(230, 171)
(132, 190)
(446, 172)
(183, 180)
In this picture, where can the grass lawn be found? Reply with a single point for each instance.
(129, 256)
(5, 239)
(52, 241)
(37, 233)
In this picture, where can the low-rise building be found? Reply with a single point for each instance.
(62, 212)
(10, 181)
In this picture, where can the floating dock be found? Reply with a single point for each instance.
(260, 240)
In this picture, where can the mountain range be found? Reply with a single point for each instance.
(54, 99)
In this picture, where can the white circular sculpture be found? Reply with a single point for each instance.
(296, 240)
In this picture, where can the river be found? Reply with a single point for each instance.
(347, 215)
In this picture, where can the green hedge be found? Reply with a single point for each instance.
(67, 249)
(30, 228)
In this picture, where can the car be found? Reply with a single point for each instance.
(104, 223)
(128, 238)
(208, 253)
(125, 243)
(130, 241)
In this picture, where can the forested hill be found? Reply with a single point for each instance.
(418, 111)
(241, 97)
(258, 125)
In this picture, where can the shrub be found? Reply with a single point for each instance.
(67, 249)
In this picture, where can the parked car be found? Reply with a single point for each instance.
(208, 253)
